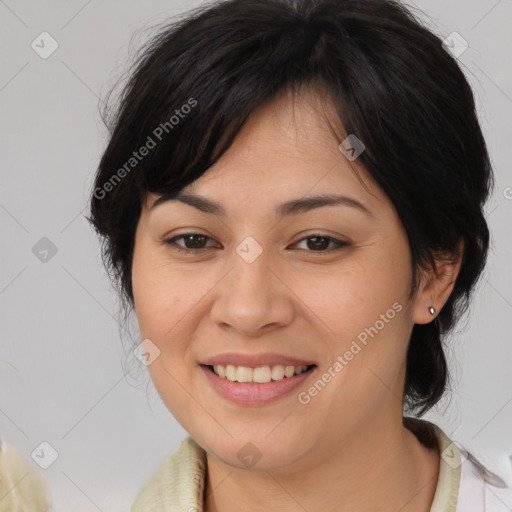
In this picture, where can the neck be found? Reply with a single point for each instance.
(384, 468)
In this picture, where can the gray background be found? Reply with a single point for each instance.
(63, 368)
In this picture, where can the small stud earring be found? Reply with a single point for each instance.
(432, 310)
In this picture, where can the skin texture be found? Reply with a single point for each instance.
(346, 450)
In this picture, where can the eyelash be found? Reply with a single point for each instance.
(171, 242)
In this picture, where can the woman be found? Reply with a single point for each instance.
(291, 201)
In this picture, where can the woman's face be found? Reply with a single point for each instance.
(265, 285)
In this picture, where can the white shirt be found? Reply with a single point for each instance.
(479, 489)
(464, 484)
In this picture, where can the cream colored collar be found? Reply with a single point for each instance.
(179, 483)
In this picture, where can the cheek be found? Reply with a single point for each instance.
(353, 297)
(365, 306)
(162, 298)
(168, 299)
(155, 299)
(159, 305)
(157, 289)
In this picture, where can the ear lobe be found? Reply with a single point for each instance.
(436, 286)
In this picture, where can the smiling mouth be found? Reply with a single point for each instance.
(259, 375)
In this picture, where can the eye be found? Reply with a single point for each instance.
(195, 242)
(318, 243)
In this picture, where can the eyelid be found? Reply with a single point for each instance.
(171, 242)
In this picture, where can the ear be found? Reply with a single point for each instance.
(436, 286)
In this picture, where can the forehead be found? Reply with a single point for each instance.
(286, 149)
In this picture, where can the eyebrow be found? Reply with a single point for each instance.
(292, 207)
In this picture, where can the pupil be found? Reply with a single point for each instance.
(194, 242)
(317, 245)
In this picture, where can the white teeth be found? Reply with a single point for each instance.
(278, 372)
(289, 371)
(230, 372)
(243, 374)
(220, 370)
(260, 375)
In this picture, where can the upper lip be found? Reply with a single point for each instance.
(255, 360)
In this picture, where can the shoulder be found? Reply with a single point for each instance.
(464, 484)
(479, 488)
(177, 484)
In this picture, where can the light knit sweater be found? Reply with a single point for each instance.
(22, 488)
(464, 485)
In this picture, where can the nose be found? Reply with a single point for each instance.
(252, 298)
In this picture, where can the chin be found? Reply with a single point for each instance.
(255, 453)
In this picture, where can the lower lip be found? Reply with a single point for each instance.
(253, 393)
